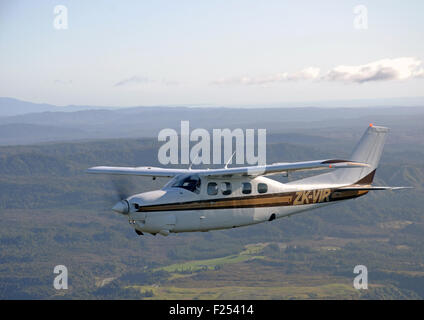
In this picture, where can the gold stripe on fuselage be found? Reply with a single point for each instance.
(267, 200)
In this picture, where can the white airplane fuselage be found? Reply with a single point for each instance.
(175, 209)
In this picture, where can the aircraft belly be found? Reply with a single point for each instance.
(204, 220)
(288, 211)
(214, 219)
(263, 214)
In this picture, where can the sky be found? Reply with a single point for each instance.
(224, 53)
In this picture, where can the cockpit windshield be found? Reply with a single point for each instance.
(190, 183)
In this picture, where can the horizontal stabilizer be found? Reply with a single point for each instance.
(370, 188)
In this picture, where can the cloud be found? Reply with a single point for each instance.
(144, 80)
(305, 74)
(382, 70)
(132, 80)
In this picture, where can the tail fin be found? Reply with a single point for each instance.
(368, 150)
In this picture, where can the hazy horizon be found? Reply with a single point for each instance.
(220, 53)
(351, 103)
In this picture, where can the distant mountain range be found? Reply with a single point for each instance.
(27, 123)
(13, 107)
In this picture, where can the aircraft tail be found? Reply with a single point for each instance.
(368, 150)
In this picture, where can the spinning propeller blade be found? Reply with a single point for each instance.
(123, 187)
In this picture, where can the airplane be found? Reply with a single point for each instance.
(214, 199)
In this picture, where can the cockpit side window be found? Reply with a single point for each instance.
(190, 183)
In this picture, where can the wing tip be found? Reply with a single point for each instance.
(378, 128)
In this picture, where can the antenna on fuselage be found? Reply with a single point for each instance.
(229, 160)
(197, 156)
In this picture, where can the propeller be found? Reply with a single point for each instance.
(123, 187)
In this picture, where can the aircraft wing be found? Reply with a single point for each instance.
(283, 167)
(138, 171)
(225, 172)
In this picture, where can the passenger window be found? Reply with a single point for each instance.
(226, 188)
(262, 188)
(212, 189)
(246, 188)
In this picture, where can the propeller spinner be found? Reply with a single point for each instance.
(123, 188)
(122, 207)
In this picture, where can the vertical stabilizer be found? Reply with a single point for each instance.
(368, 150)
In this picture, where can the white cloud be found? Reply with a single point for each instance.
(305, 74)
(136, 80)
(382, 70)
(132, 80)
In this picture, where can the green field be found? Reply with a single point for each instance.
(248, 254)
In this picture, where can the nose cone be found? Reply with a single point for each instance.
(121, 207)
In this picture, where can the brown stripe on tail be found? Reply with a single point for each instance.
(367, 180)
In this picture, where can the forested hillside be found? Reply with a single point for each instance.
(53, 213)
